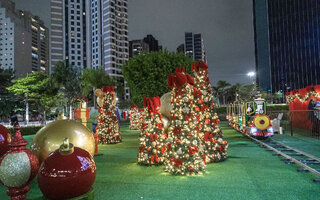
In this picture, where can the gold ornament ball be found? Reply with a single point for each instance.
(165, 122)
(166, 106)
(50, 137)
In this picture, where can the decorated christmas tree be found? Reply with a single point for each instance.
(184, 155)
(141, 116)
(108, 127)
(207, 121)
(134, 118)
(152, 139)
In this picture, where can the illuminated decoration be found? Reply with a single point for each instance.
(207, 123)
(67, 173)
(18, 167)
(152, 139)
(81, 111)
(303, 94)
(298, 101)
(184, 143)
(108, 127)
(5, 139)
(142, 113)
(134, 118)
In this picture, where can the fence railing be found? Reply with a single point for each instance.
(298, 122)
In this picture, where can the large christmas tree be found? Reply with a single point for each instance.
(207, 121)
(108, 127)
(184, 148)
(152, 140)
(134, 118)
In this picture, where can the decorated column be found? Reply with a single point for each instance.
(207, 121)
(134, 118)
(184, 148)
(108, 127)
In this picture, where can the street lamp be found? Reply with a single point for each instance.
(252, 75)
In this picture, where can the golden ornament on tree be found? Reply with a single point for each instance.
(50, 137)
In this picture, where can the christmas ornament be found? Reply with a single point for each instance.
(67, 173)
(49, 138)
(5, 139)
(165, 122)
(166, 105)
(18, 167)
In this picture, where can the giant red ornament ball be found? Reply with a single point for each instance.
(67, 173)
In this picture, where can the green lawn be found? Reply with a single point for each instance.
(250, 172)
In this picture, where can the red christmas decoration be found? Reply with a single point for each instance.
(67, 173)
(5, 139)
(25, 163)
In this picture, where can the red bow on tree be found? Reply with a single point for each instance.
(176, 131)
(141, 149)
(192, 150)
(177, 162)
(154, 158)
(156, 104)
(208, 137)
(153, 137)
(171, 80)
(160, 125)
(163, 148)
(222, 149)
(190, 79)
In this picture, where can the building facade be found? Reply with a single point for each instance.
(70, 33)
(180, 48)
(24, 44)
(194, 46)
(136, 47)
(109, 37)
(287, 41)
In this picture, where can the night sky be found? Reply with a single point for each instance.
(226, 27)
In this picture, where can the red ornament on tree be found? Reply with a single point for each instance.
(18, 167)
(5, 139)
(67, 173)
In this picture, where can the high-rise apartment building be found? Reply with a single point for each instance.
(91, 33)
(194, 46)
(136, 47)
(109, 37)
(287, 44)
(147, 44)
(23, 40)
(70, 33)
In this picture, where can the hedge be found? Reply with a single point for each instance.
(30, 130)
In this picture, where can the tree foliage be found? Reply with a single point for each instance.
(147, 73)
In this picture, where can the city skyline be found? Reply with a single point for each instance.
(226, 27)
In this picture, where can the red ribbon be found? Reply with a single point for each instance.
(177, 162)
(153, 137)
(163, 148)
(208, 137)
(154, 158)
(192, 150)
(176, 131)
(141, 149)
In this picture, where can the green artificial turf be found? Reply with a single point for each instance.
(250, 172)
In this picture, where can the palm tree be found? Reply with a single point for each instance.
(220, 90)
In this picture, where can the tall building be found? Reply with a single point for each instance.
(147, 44)
(91, 33)
(287, 44)
(137, 46)
(70, 33)
(153, 43)
(109, 36)
(23, 40)
(194, 46)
